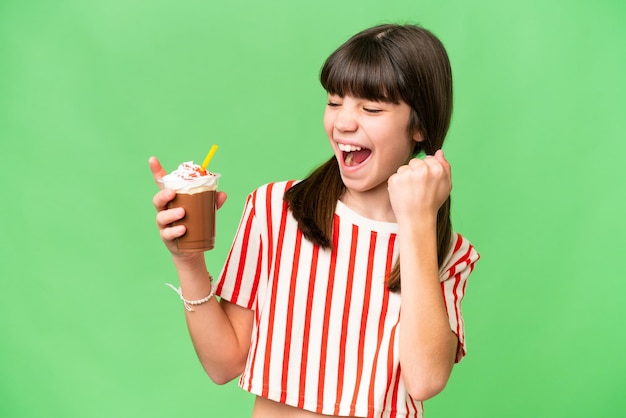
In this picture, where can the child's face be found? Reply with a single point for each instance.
(370, 139)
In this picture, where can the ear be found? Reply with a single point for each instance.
(418, 136)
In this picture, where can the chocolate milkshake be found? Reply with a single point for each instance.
(195, 191)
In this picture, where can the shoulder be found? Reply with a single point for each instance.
(461, 256)
(277, 187)
(270, 193)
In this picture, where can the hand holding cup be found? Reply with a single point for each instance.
(186, 206)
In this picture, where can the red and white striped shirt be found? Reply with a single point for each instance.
(326, 329)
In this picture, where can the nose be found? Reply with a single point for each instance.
(345, 120)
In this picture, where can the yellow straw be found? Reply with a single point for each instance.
(205, 164)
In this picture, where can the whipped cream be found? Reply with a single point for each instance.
(190, 176)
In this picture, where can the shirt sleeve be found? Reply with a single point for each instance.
(458, 265)
(239, 280)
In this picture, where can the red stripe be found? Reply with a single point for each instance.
(458, 243)
(268, 216)
(255, 349)
(383, 314)
(346, 317)
(457, 280)
(257, 277)
(412, 404)
(325, 324)
(443, 293)
(256, 313)
(390, 370)
(274, 291)
(457, 246)
(461, 333)
(466, 258)
(289, 325)
(307, 326)
(242, 259)
(364, 315)
(394, 397)
(230, 253)
(463, 261)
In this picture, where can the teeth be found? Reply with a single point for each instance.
(348, 148)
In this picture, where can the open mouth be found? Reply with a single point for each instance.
(353, 155)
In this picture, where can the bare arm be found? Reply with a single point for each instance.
(220, 331)
(427, 344)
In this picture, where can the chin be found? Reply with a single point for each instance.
(358, 186)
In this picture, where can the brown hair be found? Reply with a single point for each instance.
(391, 63)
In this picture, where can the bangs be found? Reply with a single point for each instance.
(362, 69)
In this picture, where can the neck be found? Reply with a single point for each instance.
(373, 204)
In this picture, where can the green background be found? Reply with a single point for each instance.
(90, 89)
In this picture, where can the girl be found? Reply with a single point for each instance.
(309, 313)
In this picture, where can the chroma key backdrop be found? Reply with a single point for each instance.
(89, 90)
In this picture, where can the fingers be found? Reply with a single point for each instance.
(157, 170)
(430, 165)
(165, 218)
(433, 170)
(162, 198)
(220, 198)
(442, 160)
(170, 233)
(436, 164)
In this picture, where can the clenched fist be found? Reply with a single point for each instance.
(418, 189)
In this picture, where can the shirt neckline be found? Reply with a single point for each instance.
(344, 212)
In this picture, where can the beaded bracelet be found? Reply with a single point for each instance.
(187, 302)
